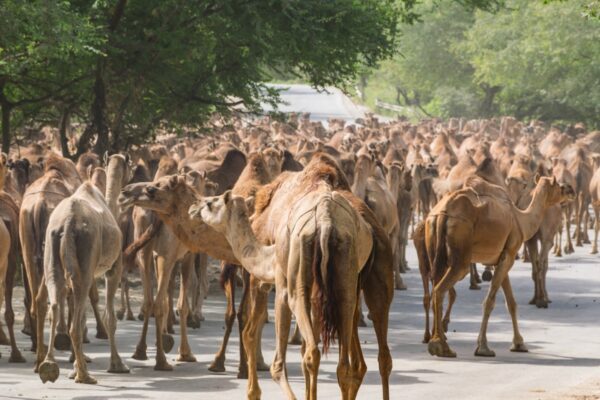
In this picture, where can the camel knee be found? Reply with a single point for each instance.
(312, 359)
(385, 362)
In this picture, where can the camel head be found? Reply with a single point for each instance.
(556, 192)
(218, 211)
(274, 159)
(163, 195)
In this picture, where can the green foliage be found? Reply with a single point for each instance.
(529, 59)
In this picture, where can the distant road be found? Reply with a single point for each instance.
(320, 105)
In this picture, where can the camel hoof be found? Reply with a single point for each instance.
(193, 322)
(86, 379)
(519, 348)
(140, 354)
(101, 334)
(401, 286)
(130, 317)
(474, 286)
(487, 275)
(118, 367)
(62, 342)
(16, 357)
(484, 351)
(141, 316)
(541, 303)
(120, 315)
(186, 357)
(263, 366)
(440, 349)
(163, 366)
(594, 251)
(426, 338)
(217, 366)
(26, 331)
(362, 323)
(242, 374)
(85, 357)
(48, 371)
(168, 342)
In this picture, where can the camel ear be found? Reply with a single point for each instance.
(537, 178)
(173, 181)
(202, 174)
(227, 197)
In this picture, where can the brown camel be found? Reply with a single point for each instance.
(595, 199)
(83, 242)
(9, 218)
(5, 246)
(343, 244)
(479, 223)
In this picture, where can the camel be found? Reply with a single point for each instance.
(564, 176)
(582, 172)
(370, 186)
(479, 223)
(9, 219)
(399, 182)
(83, 242)
(595, 199)
(59, 181)
(340, 236)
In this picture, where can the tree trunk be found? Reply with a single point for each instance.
(487, 106)
(6, 109)
(62, 131)
(99, 111)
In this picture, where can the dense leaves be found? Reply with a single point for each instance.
(529, 59)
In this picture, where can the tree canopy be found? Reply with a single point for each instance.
(530, 59)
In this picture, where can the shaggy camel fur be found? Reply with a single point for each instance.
(9, 218)
(343, 243)
(83, 242)
(376, 279)
(479, 223)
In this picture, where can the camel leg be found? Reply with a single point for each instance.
(9, 315)
(358, 365)
(130, 316)
(163, 269)
(579, 203)
(242, 317)
(76, 332)
(113, 277)
(569, 246)
(122, 309)
(261, 365)
(187, 266)
(95, 299)
(438, 346)
(426, 306)
(511, 305)
(146, 274)
(198, 296)
(544, 270)
(558, 240)
(535, 269)
(283, 320)
(27, 324)
(586, 223)
(62, 341)
(596, 228)
(41, 307)
(218, 364)
(451, 300)
(474, 277)
(171, 319)
(378, 292)
(48, 369)
(504, 263)
(256, 303)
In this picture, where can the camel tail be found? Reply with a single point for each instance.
(38, 232)
(138, 244)
(68, 248)
(438, 258)
(323, 273)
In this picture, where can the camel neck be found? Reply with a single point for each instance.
(256, 258)
(114, 179)
(530, 219)
(359, 188)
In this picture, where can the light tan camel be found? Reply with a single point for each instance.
(563, 176)
(479, 223)
(5, 246)
(376, 278)
(325, 221)
(83, 242)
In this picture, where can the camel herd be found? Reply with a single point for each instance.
(319, 215)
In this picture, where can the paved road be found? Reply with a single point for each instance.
(321, 105)
(564, 342)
